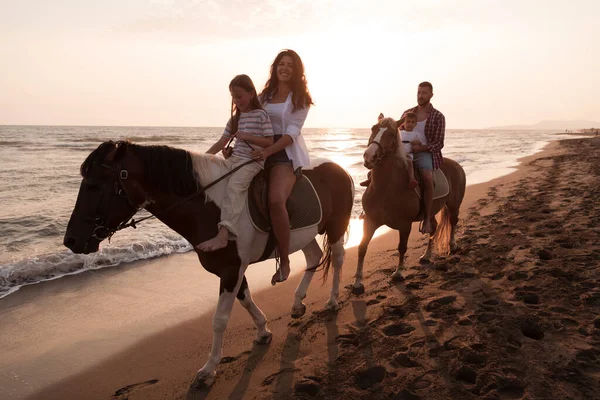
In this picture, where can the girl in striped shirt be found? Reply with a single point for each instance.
(250, 126)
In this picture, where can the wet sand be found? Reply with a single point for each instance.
(514, 314)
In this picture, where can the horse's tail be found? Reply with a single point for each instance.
(326, 257)
(442, 235)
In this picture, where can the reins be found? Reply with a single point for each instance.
(122, 175)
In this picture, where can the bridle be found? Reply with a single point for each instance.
(380, 154)
(101, 231)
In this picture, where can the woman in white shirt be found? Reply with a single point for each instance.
(286, 100)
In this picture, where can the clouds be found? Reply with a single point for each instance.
(229, 19)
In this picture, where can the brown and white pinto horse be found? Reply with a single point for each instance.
(388, 201)
(121, 178)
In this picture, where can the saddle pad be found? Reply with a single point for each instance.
(303, 205)
(440, 185)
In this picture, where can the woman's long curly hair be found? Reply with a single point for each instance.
(301, 96)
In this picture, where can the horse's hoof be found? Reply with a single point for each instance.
(424, 260)
(265, 339)
(397, 277)
(331, 306)
(358, 290)
(297, 313)
(203, 380)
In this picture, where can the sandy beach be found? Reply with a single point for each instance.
(514, 314)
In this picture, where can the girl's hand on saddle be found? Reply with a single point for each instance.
(416, 142)
(227, 151)
(261, 155)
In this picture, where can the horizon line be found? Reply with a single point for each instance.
(501, 127)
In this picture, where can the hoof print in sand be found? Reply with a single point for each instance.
(308, 387)
(403, 360)
(466, 374)
(348, 340)
(397, 329)
(545, 255)
(406, 394)
(532, 330)
(396, 311)
(437, 303)
(371, 376)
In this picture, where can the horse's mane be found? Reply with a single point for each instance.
(171, 170)
(389, 122)
(400, 154)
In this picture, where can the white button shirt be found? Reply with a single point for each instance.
(288, 122)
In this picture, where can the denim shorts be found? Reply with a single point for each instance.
(424, 160)
(281, 158)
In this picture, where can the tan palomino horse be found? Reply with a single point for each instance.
(388, 201)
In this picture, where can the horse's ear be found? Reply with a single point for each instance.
(121, 150)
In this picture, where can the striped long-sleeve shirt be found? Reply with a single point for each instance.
(435, 130)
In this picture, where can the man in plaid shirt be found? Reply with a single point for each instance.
(428, 154)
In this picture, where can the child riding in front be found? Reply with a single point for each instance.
(250, 126)
(409, 136)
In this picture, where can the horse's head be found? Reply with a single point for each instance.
(106, 197)
(383, 142)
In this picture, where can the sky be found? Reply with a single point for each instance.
(169, 62)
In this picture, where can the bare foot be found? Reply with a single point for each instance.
(282, 273)
(426, 228)
(216, 243)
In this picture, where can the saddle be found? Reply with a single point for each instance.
(440, 184)
(303, 205)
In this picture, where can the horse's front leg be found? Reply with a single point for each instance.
(426, 257)
(337, 259)
(263, 335)
(403, 234)
(231, 280)
(312, 253)
(369, 228)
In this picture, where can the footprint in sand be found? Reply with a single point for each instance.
(420, 384)
(532, 330)
(397, 329)
(528, 297)
(308, 386)
(406, 394)
(468, 356)
(437, 303)
(371, 376)
(518, 276)
(125, 391)
(466, 374)
(396, 311)
(348, 340)
(404, 360)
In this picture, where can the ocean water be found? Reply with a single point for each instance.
(39, 181)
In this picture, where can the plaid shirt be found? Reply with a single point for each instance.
(435, 129)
